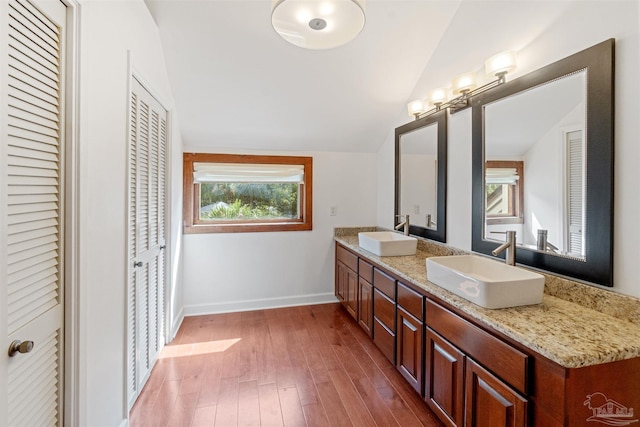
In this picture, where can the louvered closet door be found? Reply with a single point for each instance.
(147, 164)
(31, 221)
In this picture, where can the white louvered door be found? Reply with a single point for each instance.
(147, 203)
(31, 219)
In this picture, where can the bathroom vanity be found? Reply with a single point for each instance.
(558, 363)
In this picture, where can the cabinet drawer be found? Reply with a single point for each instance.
(385, 283)
(385, 340)
(506, 362)
(411, 301)
(365, 270)
(349, 259)
(384, 310)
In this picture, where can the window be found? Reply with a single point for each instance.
(225, 193)
(504, 190)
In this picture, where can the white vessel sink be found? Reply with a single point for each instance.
(485, 282)
(387, 243)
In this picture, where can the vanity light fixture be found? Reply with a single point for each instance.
(416, 107)
(464, 86)
(318, 24)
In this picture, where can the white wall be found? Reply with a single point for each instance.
(541, 33)
(418, 198)
(544, 180)
(108, 30)
(244, 271)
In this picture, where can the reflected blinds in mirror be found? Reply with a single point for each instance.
(576, 193)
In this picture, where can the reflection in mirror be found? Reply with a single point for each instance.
(536, 137)
(558, 123)
(504, 186)
(420, 175)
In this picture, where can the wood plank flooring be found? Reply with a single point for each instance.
(298, 366)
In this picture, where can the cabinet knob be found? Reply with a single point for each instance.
(20, 347)
(137, 264)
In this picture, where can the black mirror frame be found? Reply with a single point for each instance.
(597, 267)
(439, 117)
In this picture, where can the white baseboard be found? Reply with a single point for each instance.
(259, 304)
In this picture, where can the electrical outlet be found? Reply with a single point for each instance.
(334, 211)
(416, 209)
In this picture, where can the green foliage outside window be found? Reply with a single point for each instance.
(242, 201)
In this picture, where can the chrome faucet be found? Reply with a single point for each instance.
(541, 241)
(509, 246)
(430, 222)
(404, 224)
(542, 244)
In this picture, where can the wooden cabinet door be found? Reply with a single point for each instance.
(341, 279)
(347, 288)
(409, 356)
(444, 379)
(490, 402)
(351, 297)
(365, 307)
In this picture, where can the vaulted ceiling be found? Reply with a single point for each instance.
(237, 84)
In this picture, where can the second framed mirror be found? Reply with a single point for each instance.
(543, 166)
(421, 174)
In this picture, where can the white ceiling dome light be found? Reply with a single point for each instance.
(318, 24)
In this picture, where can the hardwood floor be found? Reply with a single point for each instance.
(298, 366)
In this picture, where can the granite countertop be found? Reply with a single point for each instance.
(566, 332)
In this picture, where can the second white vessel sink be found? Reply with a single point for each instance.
(387, 243)
(485, 282)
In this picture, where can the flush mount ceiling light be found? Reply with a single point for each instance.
(318, 24)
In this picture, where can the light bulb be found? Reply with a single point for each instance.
(500, 64)
(464, 83)
(416, 107)
(438, 97)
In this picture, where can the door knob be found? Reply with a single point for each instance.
(137, 264)
(20, 347)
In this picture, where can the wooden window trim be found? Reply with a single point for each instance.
(190, 215)
(519, 191)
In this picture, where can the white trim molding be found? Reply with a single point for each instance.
(259, 304)
(74, 367)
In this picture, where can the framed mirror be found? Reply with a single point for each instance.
(543, 166)
(420, 175)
